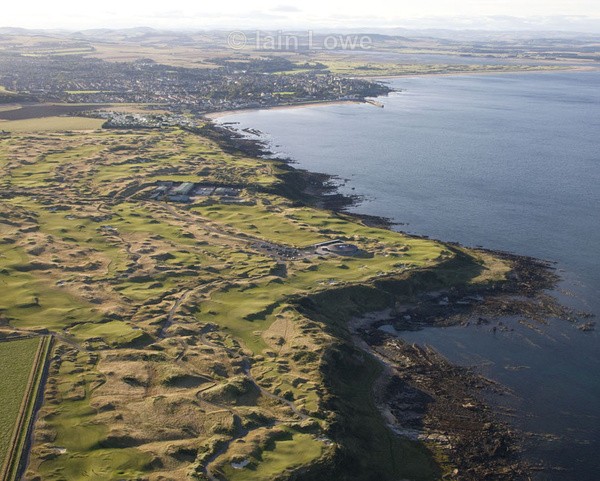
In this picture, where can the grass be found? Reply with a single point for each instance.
(16, 362)
(372, 451)
(100, 465)
(278, 457)
(88, 256)
(373, 69)
(51, 124)
(76, 232)
(29, 301)
(115, 333)
(72, 419)
(43, 169)
(178, 157)
(264, 222)
(20, 370)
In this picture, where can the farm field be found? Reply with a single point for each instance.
(20, 362)
(37, 111)
(50, 124)
(374, 69)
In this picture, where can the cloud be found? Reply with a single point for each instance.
(310, 14)
(286, 9)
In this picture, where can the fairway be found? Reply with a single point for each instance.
(19, 368)
(288, 453)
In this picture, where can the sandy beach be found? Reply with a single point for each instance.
(224, 113)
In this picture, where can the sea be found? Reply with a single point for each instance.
(503, 161)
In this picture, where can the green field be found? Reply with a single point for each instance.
(77, 433)
(51, 124)
(18, 360)
(268, 222)
(31, 301)
(359, 69)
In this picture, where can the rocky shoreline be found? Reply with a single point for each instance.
(314, 188)
(425, 397)
(421, 395)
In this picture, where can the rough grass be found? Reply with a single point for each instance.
(100, 465)
(72, 419)
(263, 222)
(41, 170)
(29, 301)
(87, 255)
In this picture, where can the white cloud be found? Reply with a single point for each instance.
(286, 8)
(275, 14)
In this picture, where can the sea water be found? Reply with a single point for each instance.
(507, 161)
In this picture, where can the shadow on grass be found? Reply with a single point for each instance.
(369, 451)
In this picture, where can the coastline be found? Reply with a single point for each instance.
(426, 397)
(224, 113)
(529, 282)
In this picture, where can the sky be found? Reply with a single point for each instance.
(582, 15)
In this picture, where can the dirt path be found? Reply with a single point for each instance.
(169, 322)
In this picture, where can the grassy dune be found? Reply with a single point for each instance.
(186, 340)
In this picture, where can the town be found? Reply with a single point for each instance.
(234, 84)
